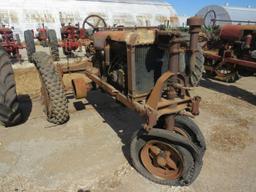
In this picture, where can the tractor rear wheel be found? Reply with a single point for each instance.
(53, 93)
(30, 44)
(53, 44)
(197, 74)
(9, 106)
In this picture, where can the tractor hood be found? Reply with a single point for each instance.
(130, 37)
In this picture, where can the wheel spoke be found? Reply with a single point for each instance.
(171, 163)
(155, 150)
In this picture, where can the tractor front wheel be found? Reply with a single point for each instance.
(165, 158)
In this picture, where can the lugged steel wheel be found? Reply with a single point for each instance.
(52, 89)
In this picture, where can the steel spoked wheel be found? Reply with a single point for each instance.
(162, 160)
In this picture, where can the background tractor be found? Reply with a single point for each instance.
(74, 37)
(150, 71)
(11, 44)
(230, 50)
(43, 35)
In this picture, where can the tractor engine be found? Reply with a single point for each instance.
(134, 59)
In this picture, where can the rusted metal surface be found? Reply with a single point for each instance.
(195, 105)
(231, 32)
(228, 60)
(132, 37)
(156, 93)
(234, 52)
(80, 88)
(195, 24)
(154, 104)
(161, 160)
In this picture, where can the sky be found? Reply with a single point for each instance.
(191, 7)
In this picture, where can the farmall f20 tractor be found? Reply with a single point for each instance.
(10, 43)
(42, 35)
(150, 71)
(49, 36)
(75, 37)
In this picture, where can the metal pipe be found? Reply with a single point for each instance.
(194, 24)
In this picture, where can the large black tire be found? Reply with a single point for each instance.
(9, 106)
(30, 44)
(52, 88)
(191, 161)
(53, 44)
(192, 131)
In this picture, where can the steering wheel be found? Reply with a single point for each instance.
(95, 22)
(210, 19)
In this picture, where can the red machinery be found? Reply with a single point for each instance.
(42, 36)
(10, 44)
(70, 36)
(74, 37)
(236, 52)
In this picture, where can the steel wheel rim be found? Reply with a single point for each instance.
(161, 160)
(181, 132)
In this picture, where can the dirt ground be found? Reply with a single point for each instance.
(91, 151)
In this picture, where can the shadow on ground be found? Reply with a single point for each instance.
(25, 107)
(121, 119)
(229, 90)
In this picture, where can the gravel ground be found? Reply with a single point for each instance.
(91, 151)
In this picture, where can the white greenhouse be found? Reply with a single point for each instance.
(29, 14)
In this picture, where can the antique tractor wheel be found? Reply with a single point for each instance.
(94, 22)
(9, 106)
(185, 127)
(30, 44)
(53, 44)
(165, 158)
(53, 92)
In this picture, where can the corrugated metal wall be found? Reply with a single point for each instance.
(28, 14)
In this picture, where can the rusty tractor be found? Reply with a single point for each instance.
(152, 72)
(46, 37)
(74, 37)
(11, 44)
(42, 35)
(230, 51)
